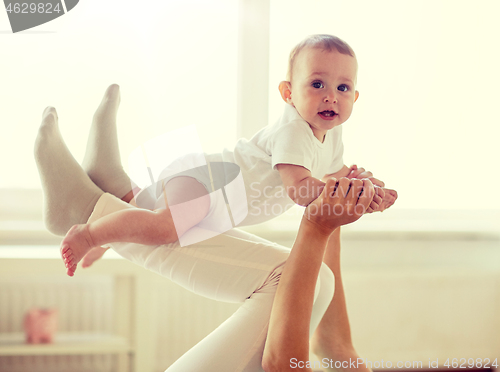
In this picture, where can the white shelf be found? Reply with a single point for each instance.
(65, 344)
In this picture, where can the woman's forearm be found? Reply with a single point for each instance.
(288, 333)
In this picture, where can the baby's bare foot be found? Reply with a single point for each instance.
(93, 255)
(75, 245)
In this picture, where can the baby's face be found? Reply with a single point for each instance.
(323, 88)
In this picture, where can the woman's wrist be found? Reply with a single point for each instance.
(312, 227)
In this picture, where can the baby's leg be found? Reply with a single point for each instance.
(141, 226)
(68, 193)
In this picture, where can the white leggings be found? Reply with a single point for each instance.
(232, 267)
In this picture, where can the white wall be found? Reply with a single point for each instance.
(426, 121)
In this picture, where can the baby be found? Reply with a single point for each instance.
(296, 156)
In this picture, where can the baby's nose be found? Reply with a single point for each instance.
(330, 97)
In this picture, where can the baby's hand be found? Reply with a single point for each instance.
(389, 199)
(363, 173)
(382, 199)
(377, 200)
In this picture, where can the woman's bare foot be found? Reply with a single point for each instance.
(341, 358)
(75, 245)
(93, 255)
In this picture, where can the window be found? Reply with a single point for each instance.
(175, 61)
(425, 122)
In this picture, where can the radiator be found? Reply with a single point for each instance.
(85, 306)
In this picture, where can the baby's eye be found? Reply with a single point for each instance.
(343, 88)
(318, 85)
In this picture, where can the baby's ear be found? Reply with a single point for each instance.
(286, 91)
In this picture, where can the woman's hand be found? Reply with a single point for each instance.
(341, 202)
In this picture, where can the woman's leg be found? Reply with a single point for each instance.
(288, 336)
(332, 338)
(69, 195)
(232, 267)
(290, 318)
(102, 160)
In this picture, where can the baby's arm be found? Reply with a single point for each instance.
(300, 185)
(303, 188)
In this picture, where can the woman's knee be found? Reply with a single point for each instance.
(326, 281)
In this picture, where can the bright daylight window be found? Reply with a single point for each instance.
(176, 65)
(426, 121)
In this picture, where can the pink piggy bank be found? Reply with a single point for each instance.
(40, 325)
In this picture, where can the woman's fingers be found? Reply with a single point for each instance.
(375, 204)
(377, 200)
(331, 187)
(380, 192)
(342, 202)
(343, 188)
(366, 195)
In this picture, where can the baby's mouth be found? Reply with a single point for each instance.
(328, 113)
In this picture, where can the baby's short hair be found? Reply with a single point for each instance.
(321, 41)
